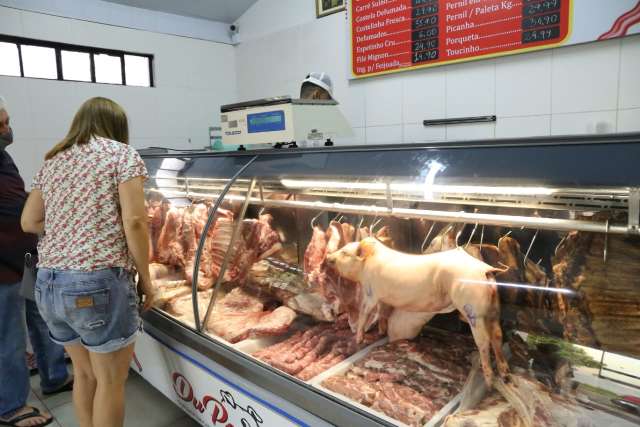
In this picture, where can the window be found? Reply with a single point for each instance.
(60, 61)
(76, 66)
(39, 62)
(9, 59)
(137, 70)
(108, 69)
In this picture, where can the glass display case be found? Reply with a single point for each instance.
(462, 284)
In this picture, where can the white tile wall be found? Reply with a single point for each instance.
(471, 131)
(383, 101)
(424, 96)
(522, 85)
(359, 138)
(416, 132)
(629, 120)
(597, 122)
(585, 77)
(629, 96)
(377, 135)
(515, 127)
(471, 89)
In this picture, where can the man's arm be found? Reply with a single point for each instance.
(32, 220)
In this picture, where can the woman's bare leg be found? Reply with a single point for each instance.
(84, 387)
(111, 371)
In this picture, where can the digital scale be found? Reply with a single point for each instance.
(281, 121)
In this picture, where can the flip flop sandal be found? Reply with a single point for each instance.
(13, 422)
(67, 387)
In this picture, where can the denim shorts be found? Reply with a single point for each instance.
(98, 309)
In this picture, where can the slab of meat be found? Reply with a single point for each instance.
(290, 288)
(239, 315)
(169, 250)
(156, 213)
(257, 241)
(307, 354)
(355, 388)
(405, 380)
(182, 307)
(404, 404)
(276, 322)
(314, 257)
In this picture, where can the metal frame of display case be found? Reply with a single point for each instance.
(385, 200)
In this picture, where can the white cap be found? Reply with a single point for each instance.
(3, 104)
(321, 80)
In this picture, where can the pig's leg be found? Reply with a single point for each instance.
(495, 333)
(368, 304)
(406, 325)
(483, 342)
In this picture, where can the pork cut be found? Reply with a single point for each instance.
(405, 380)
(310, 353)
(239, 315)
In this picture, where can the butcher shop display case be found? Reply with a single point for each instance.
(486, 283)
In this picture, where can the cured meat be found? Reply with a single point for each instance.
(419, 286)
(599, 307)
(535, 406)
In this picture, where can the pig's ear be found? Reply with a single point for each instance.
(365, 249)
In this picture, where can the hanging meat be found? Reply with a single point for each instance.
(600, 303)
(425, 284)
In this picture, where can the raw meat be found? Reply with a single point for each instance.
(355, 388)
(289, 287)
(239, 315)
(405, 380)
(307, 354)
(257, 241)
(419, 286)
(169, 251)
(314, 257)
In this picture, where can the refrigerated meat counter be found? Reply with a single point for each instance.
(461, 284)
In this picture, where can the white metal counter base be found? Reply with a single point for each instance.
(208, 392)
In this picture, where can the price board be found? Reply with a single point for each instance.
(397, 35)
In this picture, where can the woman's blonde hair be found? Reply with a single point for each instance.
(97, 117)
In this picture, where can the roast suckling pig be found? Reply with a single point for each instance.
(421, 286)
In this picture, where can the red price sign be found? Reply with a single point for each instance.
(395, 35)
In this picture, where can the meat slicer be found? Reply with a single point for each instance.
(282, 121)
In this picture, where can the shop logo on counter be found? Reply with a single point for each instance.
(223, 410)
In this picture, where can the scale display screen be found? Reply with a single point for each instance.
(269, 121)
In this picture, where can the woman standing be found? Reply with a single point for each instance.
(88, 201)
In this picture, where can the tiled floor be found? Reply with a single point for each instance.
(145, 407)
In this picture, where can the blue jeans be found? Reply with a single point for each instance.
(14, 374)
(97, 309)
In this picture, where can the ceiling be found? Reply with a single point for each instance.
(216, 10)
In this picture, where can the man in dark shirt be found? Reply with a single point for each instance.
(14, 244)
